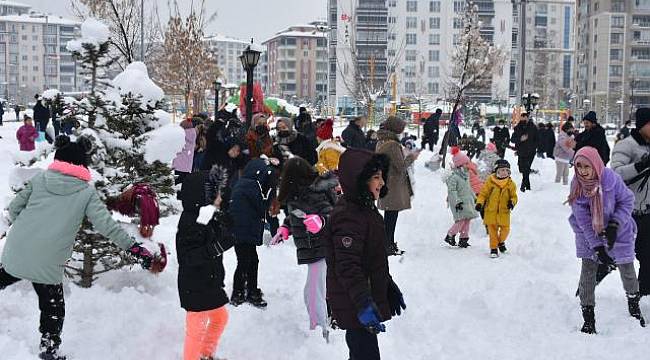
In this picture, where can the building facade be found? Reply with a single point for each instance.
(34, 57)
(13, 8)
(227, 51)
(297, 63)
(612, 58)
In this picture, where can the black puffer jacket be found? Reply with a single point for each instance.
(319, 199)
(200, 260)
(526, 139)
(595, 138)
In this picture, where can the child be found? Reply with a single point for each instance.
(250, 201)
(497, 198)
(601, 218)
(329, 151)
(563, 153)
(38, 253)
(460, 199)
(360, 290)
(200, 262)
(487, 160)
(309, 199)
(27, 135)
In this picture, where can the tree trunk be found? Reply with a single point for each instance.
(88, 270)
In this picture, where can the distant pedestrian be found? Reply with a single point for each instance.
(27, 135)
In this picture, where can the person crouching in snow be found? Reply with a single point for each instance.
(601, 218)
(39, 253)
(497, 198)
(329, 150)
(202, 232)
(460, 198)
(360, 291)
(309, 199)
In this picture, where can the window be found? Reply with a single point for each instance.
(409, 71)
(25, 57)
(434, 71)
(434, 55)
(434, 6)
(641, 20)
(434, 39)
(411, 22)
(616, 54)
(412, 6)
(456, 39)
(434, 23)
(616, 38)
(641, 53)
(411, 39)
(433, 88)
(411, 55)
(392, 3)
(618, 22)
(35, 68)
(459, 6)
(458, 23)
(615, 70)
(392, 19)
(618, 5)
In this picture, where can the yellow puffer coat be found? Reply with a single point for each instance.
(329, 152)
(494, 197)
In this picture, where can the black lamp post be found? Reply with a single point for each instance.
(217, 87)
(249, 59)
(530, 101)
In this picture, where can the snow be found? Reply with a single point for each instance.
(135, 80)
(50, 94)
(461, 304)
(163, 143)
(93, 32)
(38, 19)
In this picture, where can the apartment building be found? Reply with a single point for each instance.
(227, 51)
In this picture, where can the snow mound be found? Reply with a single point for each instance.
(93, 32)
(135, 80)
(50, 94)
(163, 143)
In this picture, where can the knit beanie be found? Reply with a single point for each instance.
(501, 164)
(458, 157)
(395, 124)
(591, 117)
(325, 130)
(75, 153)
(491, 147)
(642, 117)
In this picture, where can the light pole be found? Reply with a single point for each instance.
(217, 87)
(249, 59)
(530, 101)
(142, 30)
(326, 30)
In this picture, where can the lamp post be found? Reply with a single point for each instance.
(217, 87)
(249, 59)
(530, 101)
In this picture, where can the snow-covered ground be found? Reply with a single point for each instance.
(461, 304)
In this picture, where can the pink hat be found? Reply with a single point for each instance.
(459, 158)
(491, 147)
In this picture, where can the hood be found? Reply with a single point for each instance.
(61, 184)
(324, 182)
(330, 144)
(356, 166)
(386, 135)
(258, 170)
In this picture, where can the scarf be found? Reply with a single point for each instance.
(289, 139)
(501, 183)
(590, 188)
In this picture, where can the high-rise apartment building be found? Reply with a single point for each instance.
(612, 57)
(227, 51)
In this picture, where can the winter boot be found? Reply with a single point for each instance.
(50, 347)
(494, 253)
(238, 297)
(393, 250)
(463, 243)
(256, 298)
(589, 327)
(633, 307)
(502, 248)
(451, 240)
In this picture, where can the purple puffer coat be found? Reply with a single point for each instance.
(184, 159)
(618, 202)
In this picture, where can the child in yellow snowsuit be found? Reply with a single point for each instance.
(497, 198)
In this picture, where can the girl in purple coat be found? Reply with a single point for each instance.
(601, 219)
(27, 135)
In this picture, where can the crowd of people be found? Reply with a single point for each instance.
(234, 182)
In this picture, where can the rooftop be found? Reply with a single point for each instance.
(312, 30)
(15, 4)
(32, 19)
(224, 38)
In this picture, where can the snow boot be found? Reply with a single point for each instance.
(502, 248)
(238, 297)
(393, 250)
(589, 327)
(256, 298)
(633, 307)
(494, 253)
(49, 347)
(463, 243)
(451, 240)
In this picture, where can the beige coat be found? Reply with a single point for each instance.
(399, 185)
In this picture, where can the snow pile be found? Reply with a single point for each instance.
(50, 94)
(135, 81)
(93, 32)
(164, 143)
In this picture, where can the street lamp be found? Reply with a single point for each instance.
(249, 59)
(217, 87)
(530, 101)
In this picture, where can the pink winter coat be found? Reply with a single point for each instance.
(184, 159)
(26, 136)
(474, 179)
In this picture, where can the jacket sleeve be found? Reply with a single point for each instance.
(582, 217)
(348, 240)
(513, 192)
(19, 133)
(624, 202)
(20, 201)
(622, 161)
(103, 222)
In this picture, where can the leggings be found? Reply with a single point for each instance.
(203, 331)
(460, 226)
(587, 290)
(315, 294)
(562, 172)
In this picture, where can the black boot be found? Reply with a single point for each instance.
(494, 253)
(256, 298)
(589, 327)
(50, 347)
(451, 240)
(238, 297)
(463, 243)
(393, 250)
(502, 248)
(633, 307)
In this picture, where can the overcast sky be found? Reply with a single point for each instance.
(242, 19)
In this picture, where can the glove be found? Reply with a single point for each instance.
(149, 261)
(510, 205)
(459, 206)
(643, 164)
(313, 223)
(479, 207)
(370, 319)
(603, 257)
(395, 299)
(205, 214)
(281, 235)
(611, 232)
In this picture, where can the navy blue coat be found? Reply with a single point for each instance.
(250, 200)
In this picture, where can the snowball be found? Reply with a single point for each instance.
(50, 94)
(135, 80)
(164, 143)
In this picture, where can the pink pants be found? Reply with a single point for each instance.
(460, 226)
(203, 330)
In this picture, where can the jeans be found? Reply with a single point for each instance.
(390, 223)
(587, 289)
(362, 344)
(246, 272)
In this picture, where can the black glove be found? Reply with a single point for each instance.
(479, 208)
(395, 299)
(459, 206)
(603, 257)
(510, 205)
(643, 164)
(611, 232)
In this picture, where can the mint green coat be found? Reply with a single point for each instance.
(46, 216)
(459, 190)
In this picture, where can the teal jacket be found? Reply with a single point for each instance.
(46, 216)
(459, 190)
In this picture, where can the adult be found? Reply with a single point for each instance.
(353, 136)
(501, 138)
(525, 137)
(624, 132)
(224, 146)
(56, 111)
(549, 145)
(290, 142)
(307, 127)
(399, 185)
(479, 129)
(2, 112)
(563, 153)
(631, 160)
(17, 111)
(432, 130)
(302, 118)
(594, 136)
(42, 118)
(258, 138)
(541, 130)
(371, 140)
